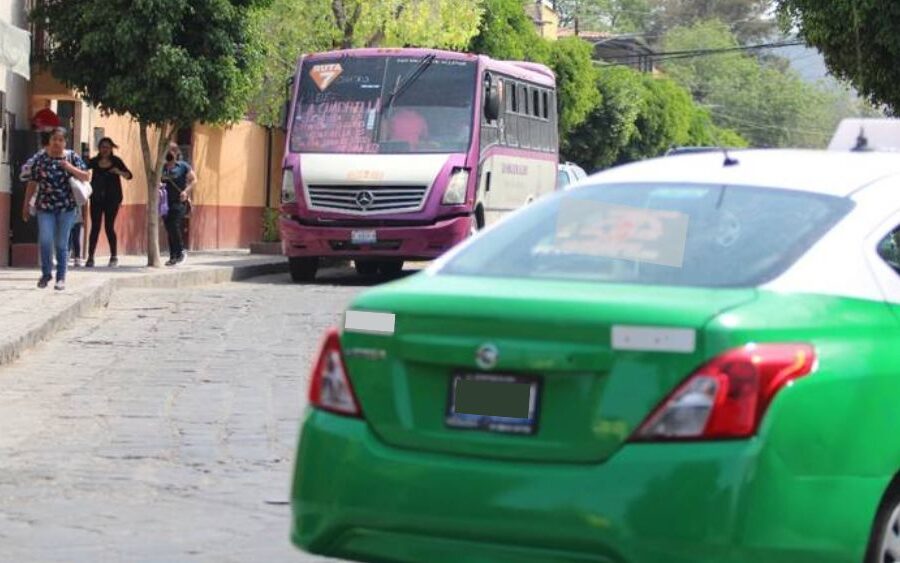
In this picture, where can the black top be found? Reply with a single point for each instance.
(105, 184)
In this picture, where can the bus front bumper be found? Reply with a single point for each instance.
(419, 242)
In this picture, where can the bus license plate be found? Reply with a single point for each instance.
(363, 237)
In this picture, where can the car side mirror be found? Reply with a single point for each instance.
(491, 98)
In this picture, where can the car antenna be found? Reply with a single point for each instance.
(862, 142)
(729, 161)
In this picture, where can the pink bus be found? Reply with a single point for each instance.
(399, 154)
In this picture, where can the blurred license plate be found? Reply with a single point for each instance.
(496, 403)
(363, 237)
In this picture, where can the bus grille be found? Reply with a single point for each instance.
(367, 199)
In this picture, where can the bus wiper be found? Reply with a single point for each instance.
(407, 82)
(400, 87)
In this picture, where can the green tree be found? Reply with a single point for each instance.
(167, 63)
(641, 116)
(748, 20)
(598, 141)
(617, 16)
(764, 100)
(576, 75)
(860, 40)
(507, 33)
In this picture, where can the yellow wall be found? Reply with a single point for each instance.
(230, 164)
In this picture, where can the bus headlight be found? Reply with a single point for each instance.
(288, 191)
(455, 194)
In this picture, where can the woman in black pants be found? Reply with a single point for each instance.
(106, 197)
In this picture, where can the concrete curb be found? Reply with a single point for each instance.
(13, 348)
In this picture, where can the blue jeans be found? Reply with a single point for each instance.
(53, 230)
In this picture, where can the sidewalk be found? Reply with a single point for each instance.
(29, 315)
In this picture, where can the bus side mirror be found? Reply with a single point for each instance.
(491, 99)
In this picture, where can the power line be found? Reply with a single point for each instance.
(662, 55)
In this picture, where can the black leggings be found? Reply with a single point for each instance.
(105, 210)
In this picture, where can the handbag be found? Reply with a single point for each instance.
(81, 190)
(163, 201)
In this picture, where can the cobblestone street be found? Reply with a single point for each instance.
(163, 428)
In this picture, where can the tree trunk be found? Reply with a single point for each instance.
(153, 171)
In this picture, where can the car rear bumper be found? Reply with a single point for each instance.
(425, 242)
(355, 497)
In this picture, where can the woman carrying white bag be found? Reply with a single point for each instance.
(58, 176)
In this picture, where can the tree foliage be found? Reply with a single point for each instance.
(164, 62)
(641, 116)
(571, 61)
(860, 40)
(506, 32)
(762, 98)
(748, 19)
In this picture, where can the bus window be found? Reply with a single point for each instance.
(546, 111)
(536, 103)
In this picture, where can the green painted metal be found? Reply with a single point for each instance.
(399, 485)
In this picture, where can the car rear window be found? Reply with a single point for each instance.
(658, 234)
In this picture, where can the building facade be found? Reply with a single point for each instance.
(238, 167)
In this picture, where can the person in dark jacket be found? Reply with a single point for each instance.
(179, 179)
(108, 171)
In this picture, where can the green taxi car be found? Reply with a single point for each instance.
(686, 359)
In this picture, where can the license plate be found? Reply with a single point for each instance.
(363, 237)
(495, 403)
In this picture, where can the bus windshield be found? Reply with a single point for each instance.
(370, 105)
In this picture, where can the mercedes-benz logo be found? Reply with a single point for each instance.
(486, 356)
(364, 199)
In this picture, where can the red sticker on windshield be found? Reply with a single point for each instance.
(324, 75)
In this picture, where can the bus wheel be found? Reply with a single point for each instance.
(366, 267)
(303, 269)
(390, 267)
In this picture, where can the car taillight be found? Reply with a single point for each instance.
(727, 397)
(330, 387)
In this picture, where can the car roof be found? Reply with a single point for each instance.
(825, 172)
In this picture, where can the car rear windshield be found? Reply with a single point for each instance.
(671, 234)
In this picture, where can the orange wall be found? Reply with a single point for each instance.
(230, 195)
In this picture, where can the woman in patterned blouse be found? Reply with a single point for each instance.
(50, 173)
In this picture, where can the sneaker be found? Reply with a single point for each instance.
(44, 281)
(59, 285)
(76, 263)
(181, 258)
(113, 262)
(171, 262)
(89, 263)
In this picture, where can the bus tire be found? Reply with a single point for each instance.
(303, 269)
(366, 267)
(390, 267)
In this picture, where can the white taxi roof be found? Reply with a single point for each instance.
(826, 172)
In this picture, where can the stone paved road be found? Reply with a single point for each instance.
(163, 428)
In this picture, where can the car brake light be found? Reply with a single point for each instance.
(330, 387)
(728, 396)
